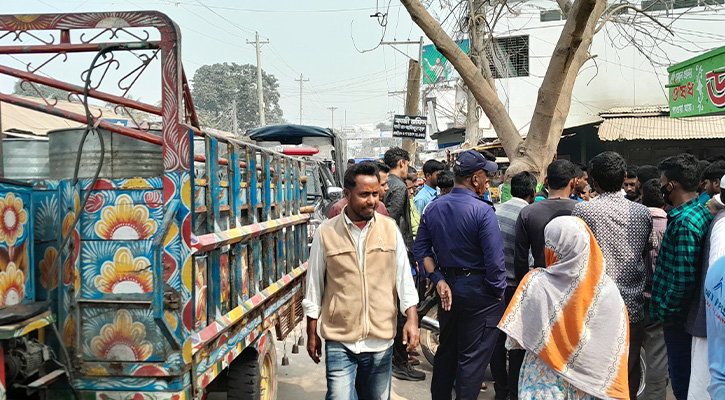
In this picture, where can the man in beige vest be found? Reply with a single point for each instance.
(358, 270)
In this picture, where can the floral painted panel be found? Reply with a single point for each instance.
(116, 269)
(122, 215)
(200, 292)
(121, 335)
(16, 278)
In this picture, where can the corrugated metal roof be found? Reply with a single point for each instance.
(22, 119)
(661, 127)
(651, 110)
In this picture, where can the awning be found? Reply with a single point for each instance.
(288, 134)
(654, 123)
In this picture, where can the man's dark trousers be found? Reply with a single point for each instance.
(506, 380)
(679, 358)
(468, 336)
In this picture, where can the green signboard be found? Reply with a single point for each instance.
(436, 67)
(697, 86)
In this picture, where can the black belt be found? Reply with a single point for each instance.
(462, 271)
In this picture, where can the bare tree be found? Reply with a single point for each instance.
(554, 98)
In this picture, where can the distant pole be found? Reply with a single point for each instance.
(332, 122)
(411, 102)
(260, 91)
(301, 81)
(234, 118)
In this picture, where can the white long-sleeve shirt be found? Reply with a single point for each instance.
(316, 267)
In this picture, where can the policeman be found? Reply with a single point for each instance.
(460, 231)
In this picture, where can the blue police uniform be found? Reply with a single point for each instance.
(461, 232)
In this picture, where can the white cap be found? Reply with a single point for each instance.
(722, 182)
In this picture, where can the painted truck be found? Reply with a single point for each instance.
(142, 266)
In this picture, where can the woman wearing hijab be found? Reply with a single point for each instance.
(571, 320)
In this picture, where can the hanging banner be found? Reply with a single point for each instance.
(697, 86)
(409, 126)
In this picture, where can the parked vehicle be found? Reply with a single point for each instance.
(127, 275)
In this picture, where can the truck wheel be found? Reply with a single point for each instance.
(253, 376)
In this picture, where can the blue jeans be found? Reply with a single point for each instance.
(357, 376)
(679, 358)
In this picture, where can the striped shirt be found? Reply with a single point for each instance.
(678, 264)
(507, 214)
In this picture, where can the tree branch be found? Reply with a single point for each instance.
(565, 6)
(471, 75)
(638, 10)
(554, 98)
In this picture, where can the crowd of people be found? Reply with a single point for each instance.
(559, 289)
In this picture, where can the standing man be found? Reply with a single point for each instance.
(716, 327)
(654, 341)
(711, 177)
(696, 325)
(470, 277)
(581, 183)
(397, 202)
(383, 171)
(676, 277)
(623, 229)
(632, 186)
(561, 176)
(431, 169)
(523, 190)
(358, 272)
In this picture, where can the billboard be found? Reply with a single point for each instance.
(697, 86)
(436, 68)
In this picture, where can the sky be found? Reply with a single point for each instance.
(324, 40)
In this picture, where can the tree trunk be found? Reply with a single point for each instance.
(554, 99)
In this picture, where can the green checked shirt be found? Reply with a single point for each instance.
(679, 263)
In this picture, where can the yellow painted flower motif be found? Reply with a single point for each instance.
(48, 269)
(123, 340)
(12, 219)
(171, 319)
(12, 286)
(69, 331)
(125, 274)
(97, 371)
(125, 221)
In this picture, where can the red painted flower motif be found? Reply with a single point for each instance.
(153, 199)
(95, 201)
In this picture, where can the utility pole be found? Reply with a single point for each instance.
(234, 118)
(413, 88)
(301, 81)
(260, 92)
(478, 56)
(411, 102)
(332, 122)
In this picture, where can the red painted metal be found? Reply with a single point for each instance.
(75, 48)
(78, 89)
(300, 151)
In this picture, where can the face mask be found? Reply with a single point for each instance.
(666, 193)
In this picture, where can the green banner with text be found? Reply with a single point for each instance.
(697, 86)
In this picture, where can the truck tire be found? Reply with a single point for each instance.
(253, 376)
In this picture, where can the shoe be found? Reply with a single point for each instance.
(483, 386)
(414, 353)
(407, 373)
(414, 362)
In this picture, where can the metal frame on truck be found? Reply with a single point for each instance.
(215, 246)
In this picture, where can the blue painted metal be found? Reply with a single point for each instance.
(212, 223)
